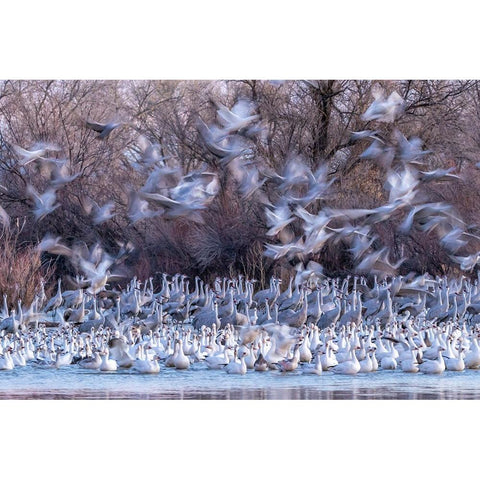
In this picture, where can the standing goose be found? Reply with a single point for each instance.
(436, 366)
(142, 364)
(291, 364)
(456, 362)
(237, 367)
(315, 368)
(180, 360)
(260, 365)
(350, 366)
(55, 302)
(472, 358)
(366, 365)
(219, 360)
(91, 363)
(328, 359)
(295, 319)
(409, 363)
(6, 362)
(108, 364)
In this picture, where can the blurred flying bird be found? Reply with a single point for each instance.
(247, 176)
(224, 146)
(194, 191)
(370, 215)
(355, 136)
(4, 217)
(348, 230)
(384, 109)
(278, 218)
(378, 263)
(44, 203)
(312, 222)
(315, 240)
(375, 149)
(289, 249)
(150, 153)
(409, 150)
(438, 175)
(94, 263)
(28, 156)
(99, 214)
(317, 187)
(103, 129)
(422, 214)
(467, 263)
(295, 173)
(360, 244)
(239, 117)
(60, 177)
(161, 178)
(401, 185)
(52, 245)
(304, 273)
(451, 239)
(138, 208)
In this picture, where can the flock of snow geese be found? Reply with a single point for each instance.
(313, 324)
(418, 324)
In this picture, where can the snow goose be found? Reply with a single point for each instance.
(19, 358)
(328, 359)
(180, 360)
(456, 362)
(143, 364)
(304, 350)
(366, 365)
(6, 362)
(436, 366)
(251, 357)
(315, 368)
(388, 360)
(350, 366)
(409, 362)
(472, 358)
(63, 359)
(120, 352)
(91, 363)
(219, 360)
(108, 364)
(237, 367)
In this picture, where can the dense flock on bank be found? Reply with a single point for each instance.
(313, 324)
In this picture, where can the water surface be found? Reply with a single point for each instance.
(199, 382)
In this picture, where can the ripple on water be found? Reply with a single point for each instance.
(198, 382)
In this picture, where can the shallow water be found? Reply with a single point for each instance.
(198, 382)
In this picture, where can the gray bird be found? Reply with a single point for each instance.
(44, 203)
(278, 218)
(384, 109)
(149, 154)
(38, 152)
(138, 208)
(52, 244)
(238, 118)
(438, 175)
(103, 129)
(98, 214)
(409, 150)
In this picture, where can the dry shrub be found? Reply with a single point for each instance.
(21, 269)
(230, 242)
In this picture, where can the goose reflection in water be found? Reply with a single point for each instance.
(292, 393)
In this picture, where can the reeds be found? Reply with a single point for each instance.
(21, 268)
